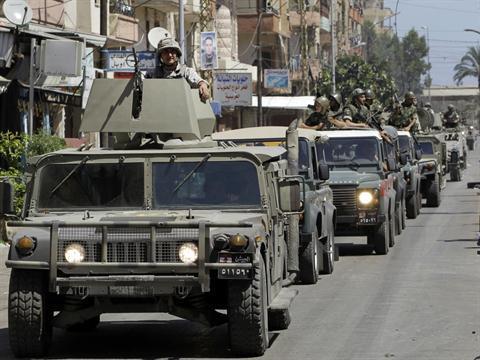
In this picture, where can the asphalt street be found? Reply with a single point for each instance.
(419, 302)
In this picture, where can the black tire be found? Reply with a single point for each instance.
(87, 325)
(456, 174)
(328, 255)
(309, 261)
(379, 238)
(248, 314)
(412, 207)
(29, 313)
(418, 195)
(433, 193)
(279, 319)
(404, 214)
(391, 230)
(398, 219)
(336, 254)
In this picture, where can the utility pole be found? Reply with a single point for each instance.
(304, 49)
(333, 24)
(104, 15)
(181, 29)
(259, 64)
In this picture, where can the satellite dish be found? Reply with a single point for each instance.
(17, 12)
(157, 34)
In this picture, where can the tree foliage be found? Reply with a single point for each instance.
(403, 59)
(353, 72)
(469, 66)
(15, 148)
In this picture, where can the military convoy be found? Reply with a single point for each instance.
(210, 227)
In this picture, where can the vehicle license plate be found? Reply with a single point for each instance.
(232, 273)
(367, 218)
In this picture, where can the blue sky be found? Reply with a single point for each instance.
(446, 21)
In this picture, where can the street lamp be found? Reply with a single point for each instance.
(425, 27)
(472, 30)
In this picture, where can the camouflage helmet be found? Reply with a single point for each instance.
(169, 43)
(428, 105)
(322, 101)
(369, 94)
(337, 97)
(410, 95)
(450, 107)
(357, 92)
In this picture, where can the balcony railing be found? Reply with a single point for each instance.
(122, 8)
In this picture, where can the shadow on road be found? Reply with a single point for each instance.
(459, 240)
(4, 345)
(350, 249)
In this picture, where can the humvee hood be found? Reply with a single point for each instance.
(351, 177)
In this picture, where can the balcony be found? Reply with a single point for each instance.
(190, 6)
(122, 8)
(48, 12)
(123, 28)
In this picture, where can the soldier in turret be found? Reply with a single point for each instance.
(323, 117)
(405, 117)
(356, 114)
(169, 53)
(450, 117)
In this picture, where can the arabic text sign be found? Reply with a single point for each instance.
(118, 60)
(276, 79)
(233, 89)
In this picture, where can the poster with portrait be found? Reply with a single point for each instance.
(208, 50)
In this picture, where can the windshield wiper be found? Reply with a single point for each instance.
(69, 175)
(189, 175)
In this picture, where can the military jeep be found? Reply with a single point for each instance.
(362, 185)
(411, 173)
(318, 220)
(432, 168)
(160, 221)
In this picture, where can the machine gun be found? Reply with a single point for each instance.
(137, 89)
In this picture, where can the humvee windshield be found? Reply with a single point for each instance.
(427, 147)
(404, 143)
(91, 185)
(303, 155)
(351, 153)
(211, 184)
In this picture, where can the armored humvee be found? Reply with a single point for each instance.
(163, 220)
(316, 226)
(432, 168)
(411, 173)
(362, 182)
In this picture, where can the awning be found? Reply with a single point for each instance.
(284, 102)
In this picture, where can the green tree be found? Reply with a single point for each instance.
(469, 66)
(353, 72)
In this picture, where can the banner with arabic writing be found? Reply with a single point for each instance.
(232, 89)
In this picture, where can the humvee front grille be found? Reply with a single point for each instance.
(126, 244)
(345, 200)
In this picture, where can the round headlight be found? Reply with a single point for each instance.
(188, 253)
(365, 198)
(74, 253)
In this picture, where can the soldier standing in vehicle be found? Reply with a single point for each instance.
(169, 53)
(405, 117)
(323, 117)
(451, 118)
(356, 114)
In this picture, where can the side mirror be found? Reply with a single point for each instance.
(418, 154)
(392, 165)
(403, 159)
(323, 171)
(289, 194)
(7, 197)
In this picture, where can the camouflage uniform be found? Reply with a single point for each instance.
(403, 118)
(317, 118)
(356, 113)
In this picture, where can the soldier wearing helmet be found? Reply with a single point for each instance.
(355, 114)
(318, 120)
(450, 117)
(169, 53)
(406, 117)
